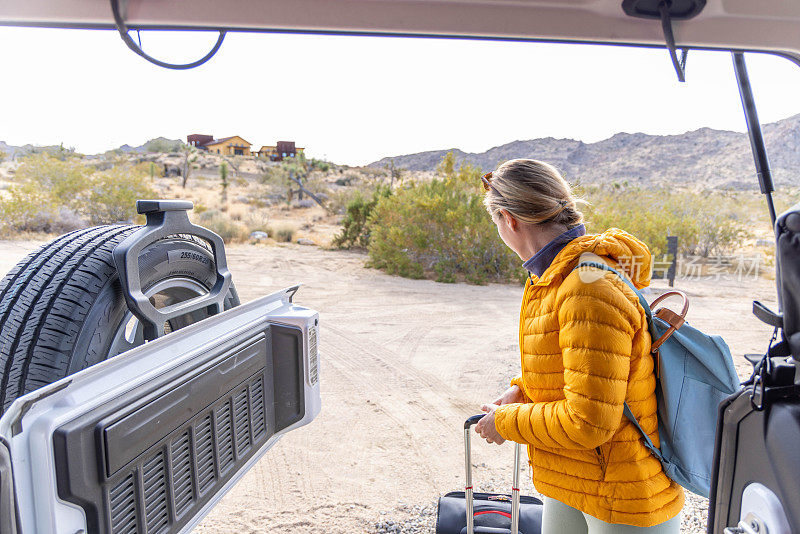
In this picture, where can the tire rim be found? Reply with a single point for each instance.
(130, 334)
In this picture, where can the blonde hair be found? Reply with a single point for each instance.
(533, 192)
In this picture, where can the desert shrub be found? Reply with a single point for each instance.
(304, 203)
(207, 215)
(338, 200)
(54, 196)
(222, 225)
(351, 177)
(31, 209)
(355, 228)
(55, 220)
(317, 183)
(22, 204)
(162, 144)
(706, 223)
(65, 181)
(258, 222)
(275, 181)
(440, 229)
(272, 175)
(114, 193)
(3, 156)
(284, 234)
(374, 172)
(321, 165)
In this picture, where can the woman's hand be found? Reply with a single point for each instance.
(510, 396)
(485, 426)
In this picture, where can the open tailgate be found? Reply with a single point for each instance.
(150, 440)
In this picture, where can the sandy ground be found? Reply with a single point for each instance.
(404, 362)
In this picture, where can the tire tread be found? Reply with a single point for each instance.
(43, 304)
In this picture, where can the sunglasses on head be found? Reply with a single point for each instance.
(487, 184)
(487, 181)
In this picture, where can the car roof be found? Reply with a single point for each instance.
(764, 25)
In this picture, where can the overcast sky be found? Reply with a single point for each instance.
(356, 99)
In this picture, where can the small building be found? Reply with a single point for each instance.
(199, 140)
(283, 149)
(229, 146)
(269, 152)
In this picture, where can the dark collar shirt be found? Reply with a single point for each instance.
(539, 262)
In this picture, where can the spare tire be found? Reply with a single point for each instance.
(62, 308)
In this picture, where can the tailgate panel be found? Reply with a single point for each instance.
(162, 458)
(174, 405)
(150, 440)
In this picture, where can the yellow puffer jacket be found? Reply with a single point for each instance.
(585, 350)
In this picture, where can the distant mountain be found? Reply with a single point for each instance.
(127, 149)
(19, 151)
(704, 157)
(159, 144)
(8, 149)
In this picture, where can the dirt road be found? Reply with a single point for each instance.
(403, 363)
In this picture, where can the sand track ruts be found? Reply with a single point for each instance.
(403, 362)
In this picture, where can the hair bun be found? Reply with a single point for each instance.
(533, 192)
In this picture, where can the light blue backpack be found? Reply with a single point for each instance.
(695, 373)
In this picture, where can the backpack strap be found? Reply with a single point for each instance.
(626, 410)
(647, 441)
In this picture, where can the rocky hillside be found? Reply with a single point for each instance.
(703, 158)
(12, 151)
(159, 144)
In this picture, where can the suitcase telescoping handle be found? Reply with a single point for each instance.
(468, 486)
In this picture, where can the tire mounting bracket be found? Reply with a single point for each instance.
(164, 218)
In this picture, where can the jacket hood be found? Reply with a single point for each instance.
(616, 247)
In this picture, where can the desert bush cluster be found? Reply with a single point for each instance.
(440, 229)
(355, 231)
(437, 229)
(54, 195)
(232, 227)
(706, 223)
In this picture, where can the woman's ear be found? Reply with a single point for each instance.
(511, 222)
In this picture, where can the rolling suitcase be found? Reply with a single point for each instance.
(467, 512)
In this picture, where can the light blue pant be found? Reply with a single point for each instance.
(558, 518)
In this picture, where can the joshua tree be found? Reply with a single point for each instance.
(394, 173)
(297, 171)
(235, 162)
(223, 178)
(189, 157)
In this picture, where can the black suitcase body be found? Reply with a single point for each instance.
(492, 513)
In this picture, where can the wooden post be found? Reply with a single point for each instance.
(672, 248)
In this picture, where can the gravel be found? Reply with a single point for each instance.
(408, 519)
(695, 514)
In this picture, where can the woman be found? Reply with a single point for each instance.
(585, 351)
